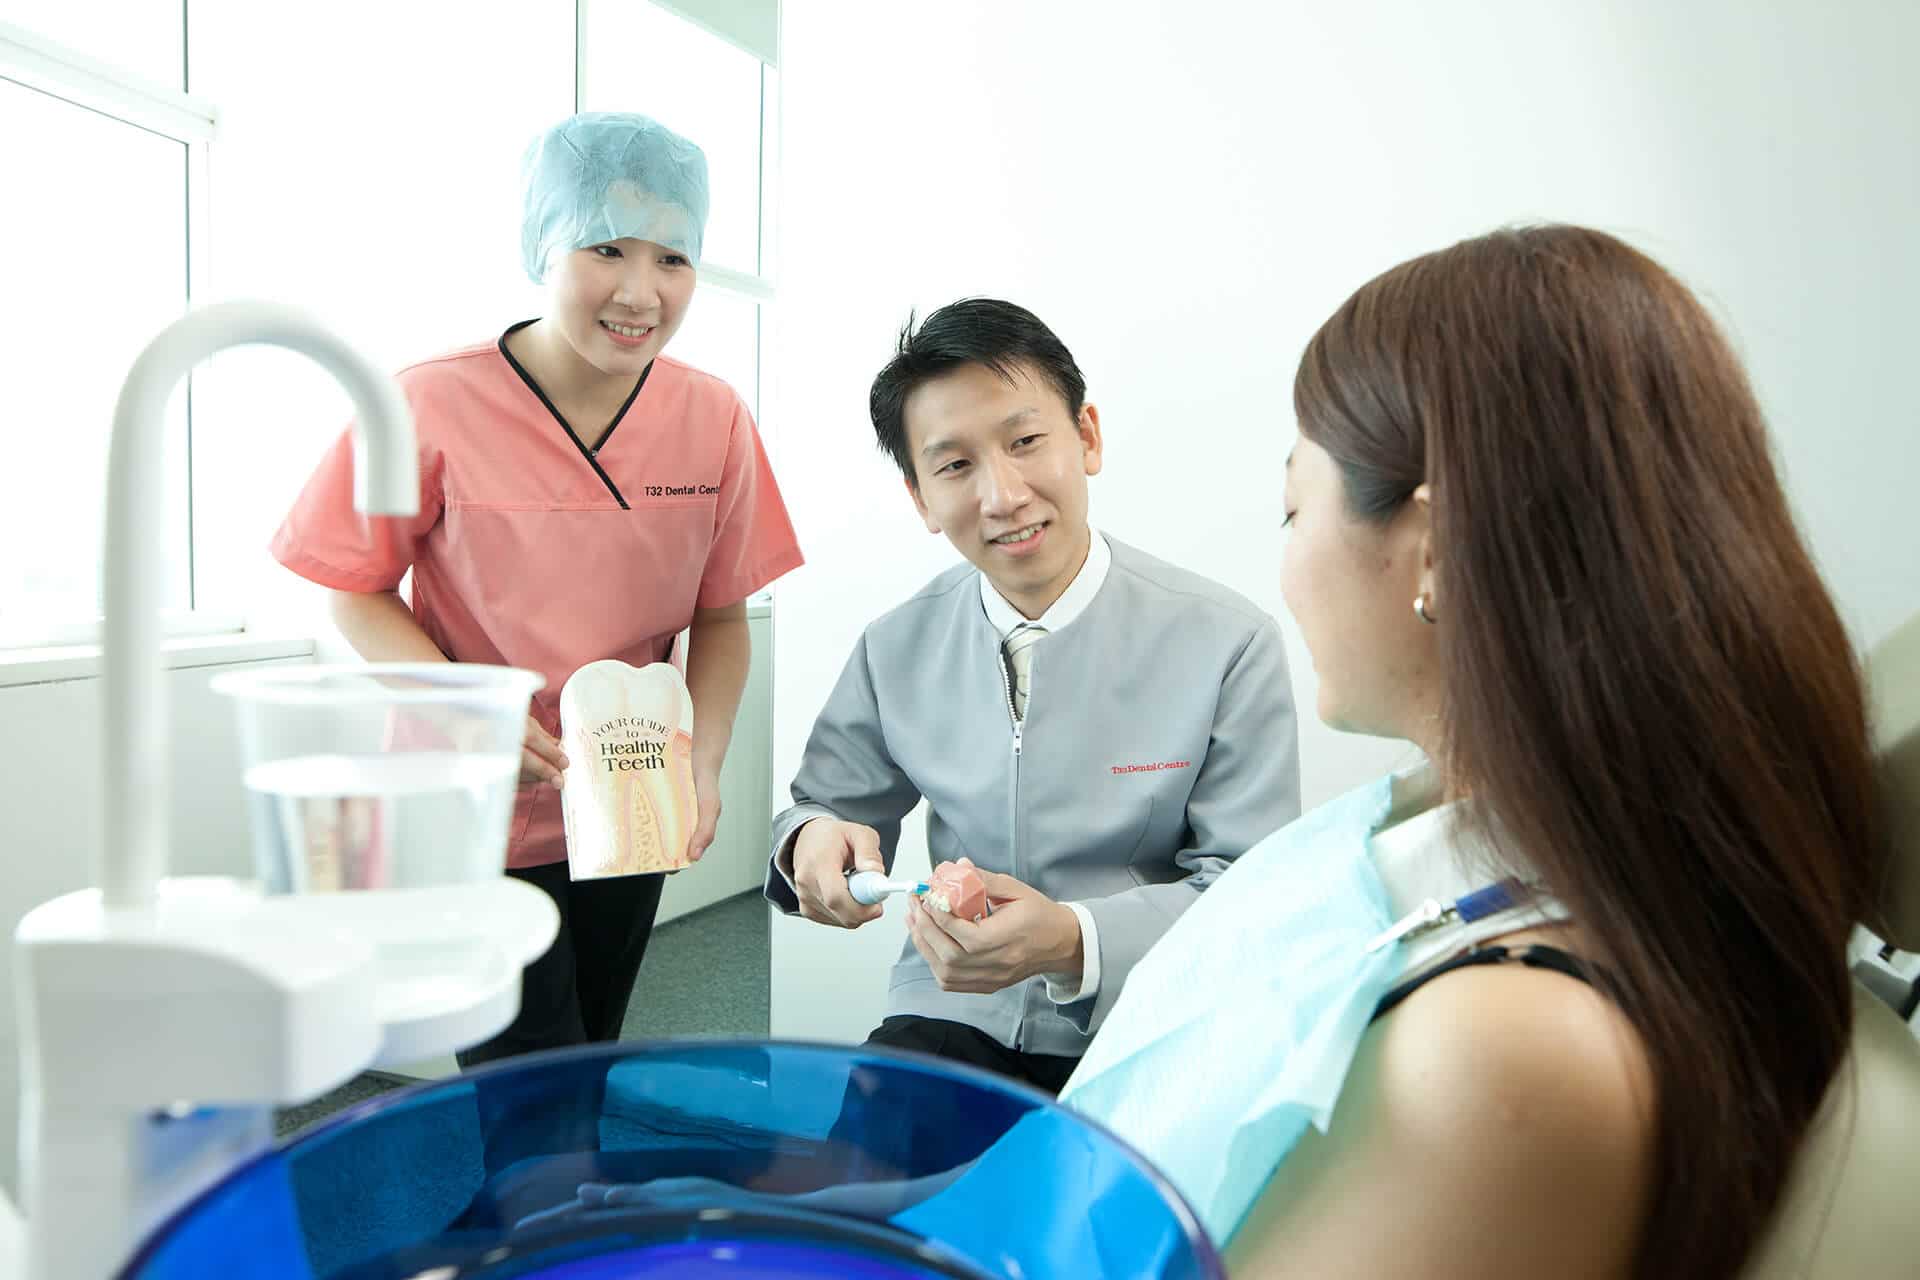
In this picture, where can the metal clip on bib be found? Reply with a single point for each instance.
(1435, 914)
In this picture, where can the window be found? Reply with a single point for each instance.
(98, 262)
(366, 168)
(721, 335)
(143, 39)
(375, 183)
(641, 57)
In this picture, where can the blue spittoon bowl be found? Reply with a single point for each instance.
(730, 1159)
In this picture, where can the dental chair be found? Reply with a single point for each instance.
(1851, 1209)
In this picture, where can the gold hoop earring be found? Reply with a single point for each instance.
(1420, 607)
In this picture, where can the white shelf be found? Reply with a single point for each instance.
(447, 960)
(343, 980)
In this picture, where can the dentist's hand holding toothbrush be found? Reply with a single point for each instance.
(826, 852)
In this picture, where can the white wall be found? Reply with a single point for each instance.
(736, 861)
(1185, 190)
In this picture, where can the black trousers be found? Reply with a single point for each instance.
(956, 1040)
(578, 992)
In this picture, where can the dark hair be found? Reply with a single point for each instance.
(984, 331)
(1648, 695)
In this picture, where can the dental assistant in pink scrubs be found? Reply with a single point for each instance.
(582, 496)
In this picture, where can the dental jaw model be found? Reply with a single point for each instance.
(628, 798)
(958, 889)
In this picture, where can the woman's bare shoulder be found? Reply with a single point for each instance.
(1500, 1119)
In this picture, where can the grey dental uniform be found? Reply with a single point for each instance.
(1159, 744)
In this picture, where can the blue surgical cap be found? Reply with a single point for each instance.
(605, 175)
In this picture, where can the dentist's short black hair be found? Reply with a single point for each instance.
(988, 332)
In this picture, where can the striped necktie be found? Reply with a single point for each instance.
(1019, 651)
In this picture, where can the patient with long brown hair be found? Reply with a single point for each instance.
(1535, 528)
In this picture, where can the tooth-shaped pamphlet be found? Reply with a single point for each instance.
(628, 793)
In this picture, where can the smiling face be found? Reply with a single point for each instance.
(1350, 585)
(617, 304)
(1000, 467)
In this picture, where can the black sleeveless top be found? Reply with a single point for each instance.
(1533, 956)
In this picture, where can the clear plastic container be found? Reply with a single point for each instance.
(738, 1160)
(387, 776)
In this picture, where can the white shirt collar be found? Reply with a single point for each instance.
(1072, 602)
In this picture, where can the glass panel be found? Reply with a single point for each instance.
(143, 37)
(642, 58)
(721, 336)
(100, 268)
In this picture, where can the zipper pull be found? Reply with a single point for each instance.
(1006, 680)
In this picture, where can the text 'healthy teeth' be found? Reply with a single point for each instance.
(628, 802)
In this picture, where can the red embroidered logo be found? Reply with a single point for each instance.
(1152, 768)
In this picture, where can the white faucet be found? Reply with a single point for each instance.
(386, 482)
(149, 991)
